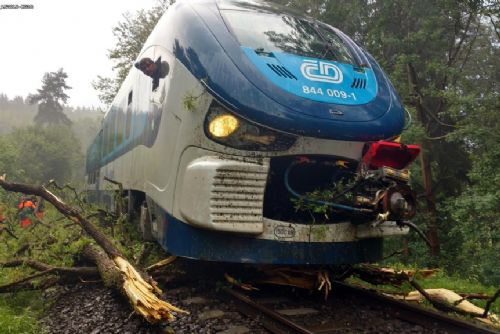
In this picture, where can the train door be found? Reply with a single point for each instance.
(159, 84)
(140, 96)
(97, 155)
(130, 175)
(164, 126)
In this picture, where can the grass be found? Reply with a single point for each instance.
(441, 280)
(56, 243)
(19, 313)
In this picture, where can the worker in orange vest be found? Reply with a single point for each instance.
(40, 209)
(26, 210)
(2, 216)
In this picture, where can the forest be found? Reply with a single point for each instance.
(443, 58)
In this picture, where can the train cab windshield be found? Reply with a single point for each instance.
(268, 32)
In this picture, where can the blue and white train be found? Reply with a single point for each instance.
(256, 109)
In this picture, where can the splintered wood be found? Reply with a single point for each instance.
(244, 286)
(141, 295)
(422, 273)
(301, 278)
(324, 283)
(161, 264)
(454, 301)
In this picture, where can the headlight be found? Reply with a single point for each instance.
(224, 127)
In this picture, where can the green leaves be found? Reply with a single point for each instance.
(455, 50)
(131, 34)
(39, 154)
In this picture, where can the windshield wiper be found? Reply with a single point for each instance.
(327, 43)
(263, 52)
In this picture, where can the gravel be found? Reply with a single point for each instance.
(91, 308)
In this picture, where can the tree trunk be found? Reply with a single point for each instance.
(432, 232)
(140, 293)
(108, 271)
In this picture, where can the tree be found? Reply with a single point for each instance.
(474, 232)
(50, 98)
(112, 265)
(131, 34)
(40, 154)
(452, 49)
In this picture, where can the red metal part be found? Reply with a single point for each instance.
(390, 154)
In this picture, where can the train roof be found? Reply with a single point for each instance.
(290, 86)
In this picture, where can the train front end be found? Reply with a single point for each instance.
(298, 162)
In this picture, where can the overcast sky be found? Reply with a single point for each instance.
(74, 35)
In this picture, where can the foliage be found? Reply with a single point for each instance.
(131, 34)
(55, 242)
(190, 101)
(39, 154)
(106, 88)
(18, 113)
(439, 280)
(317, 201)
(19, 313)
(15, 113)
(454, 48)
(125, 233)
(50, 98)
(474, 213)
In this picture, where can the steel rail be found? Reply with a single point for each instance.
(279, 324)
(416, 314)
(276, 318)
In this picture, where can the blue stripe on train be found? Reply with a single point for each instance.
(184, 240)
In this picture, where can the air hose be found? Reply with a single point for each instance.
(330, 204)
(418, 230)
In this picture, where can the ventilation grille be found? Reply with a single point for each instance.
(359, 83)
(281, 71)
(237, 195)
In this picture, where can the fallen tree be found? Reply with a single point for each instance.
(64, 275)
(450, 301)
(115, 270)
(318, 279)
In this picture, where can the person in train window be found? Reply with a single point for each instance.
(155, 69)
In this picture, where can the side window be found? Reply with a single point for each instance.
(166, 59)
(156, 68)
(120, 123)
(102, 134)
(111, 131)
(129, 115)
(104, 150)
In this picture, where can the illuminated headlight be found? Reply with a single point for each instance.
(223, 127)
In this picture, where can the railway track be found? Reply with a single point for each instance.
(374, 314)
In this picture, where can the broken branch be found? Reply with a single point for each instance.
(161, 264)
(139, 292)
(489, 302)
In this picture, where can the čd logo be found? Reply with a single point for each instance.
(321, 71)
